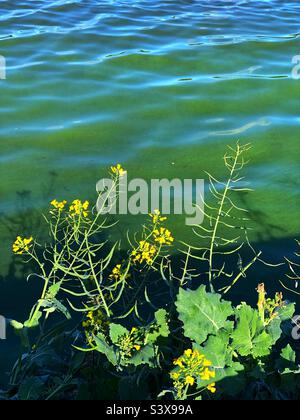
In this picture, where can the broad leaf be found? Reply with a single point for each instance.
(229, 374)
(250, 337)
(283, 315)
(159, 327)
(202, 313)
(287, 361)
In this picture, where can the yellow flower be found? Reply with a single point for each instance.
(78, 208)
(137, 347)
(21, 245)
(178, 362)
(93, 323)
(188, 352)
(116, 272)
(207, 374)
(189, 380)
(212, 387)
(163, 236)
(192, 365)
(156, 217)
(118, 170)
(145, 253)
(59, 205)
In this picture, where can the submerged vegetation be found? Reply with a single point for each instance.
(132, 324)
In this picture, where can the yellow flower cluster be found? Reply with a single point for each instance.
(117, 273)
(94, 322)
(156, 217)
(129, 343)
(118, 170)
(163, 236)
(78, 208)
(192, 365)
(21, 245)
(59, 205)
(144, 253)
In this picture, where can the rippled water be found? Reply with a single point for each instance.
(161, 86)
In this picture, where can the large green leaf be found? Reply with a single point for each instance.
(249, 336)
(216, 350)
(229, 374)
(202, 313)
(283, 315)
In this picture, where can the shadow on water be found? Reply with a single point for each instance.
(26, 220)
(16, 294)
(266, 230)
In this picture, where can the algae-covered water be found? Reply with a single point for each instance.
(160, 86)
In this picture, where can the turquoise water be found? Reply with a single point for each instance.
(160, 86)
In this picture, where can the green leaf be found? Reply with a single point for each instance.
(288, 354)
(231, 380)
(202, 313)
(159, 328)
(53, 290)
(16, 325)
(145, 356)
(275, 328)
(216, 349)
(20, 331)
(104, 348)
(250, 337)
(116, 331)
(33, 322)
(286, 312)
(287, 361)
(289, 371)
(54, 305)
(229, 374)
(162, 322)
